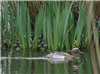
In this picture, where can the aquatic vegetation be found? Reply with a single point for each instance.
(38, 28)
(54, 25)
(90, 20)
(55, 22)
(17, 26)
(59, 27)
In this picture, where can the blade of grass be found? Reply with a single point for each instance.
(12, 23)
(88, 22)
(29, 29)
(44, 25)
(38, 27)
(80, 24)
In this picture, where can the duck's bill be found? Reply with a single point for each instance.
(81, 52)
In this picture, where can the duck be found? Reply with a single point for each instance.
(63, 55)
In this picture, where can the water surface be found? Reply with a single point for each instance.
(31, 62)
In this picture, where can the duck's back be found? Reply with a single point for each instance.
(59, 55)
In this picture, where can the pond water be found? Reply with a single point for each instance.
(32, 62)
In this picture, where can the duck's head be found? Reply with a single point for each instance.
(75, 51)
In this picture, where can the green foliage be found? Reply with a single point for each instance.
(58, 25)
(80, 24)
(23, 24)
(38, 28)
(19, 24)
(29, 30)
(6, 13)
(55, 23)
(2, 25)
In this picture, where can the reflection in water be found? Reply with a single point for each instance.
(57, 60)
(76, 66)
(74, 63)
(51, 60)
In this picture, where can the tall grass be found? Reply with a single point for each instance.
(80, 23)
(38, 27)
(59, 28)
(55, 21)
(4, 26)
(58, 22)
(55, 24)
(90, 20)
(23, 24)
(19, 24)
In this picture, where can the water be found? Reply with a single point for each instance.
(32, 62)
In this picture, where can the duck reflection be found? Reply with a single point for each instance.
(57, 60)
(75, 64)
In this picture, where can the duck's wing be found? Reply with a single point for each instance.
(49, 55)
(59, 53)
(63, 53)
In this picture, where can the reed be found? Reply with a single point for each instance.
(38, 27)
(23, 25)
(29, 30)
(80, 24)
(20, 25)
(6, 14)
(16, 26)
(58, 22)
(2, 26)
(5, 28)
(55, 24)
(89, 21)
(12, 23)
